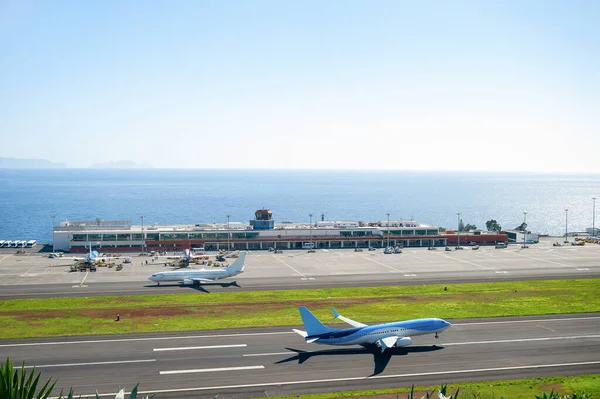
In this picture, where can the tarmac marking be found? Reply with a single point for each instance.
(518, 340)
(290, 267)
(25, 274)
(84, 278)
(100, 341)
(475, 264)
(361, 378)
(198, 347)
(525, 321)
(90, 364)
(210, 370)
(544, 260)
(4, 257)
(267, 354)
(383, 264)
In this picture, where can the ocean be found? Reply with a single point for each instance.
(28, 198)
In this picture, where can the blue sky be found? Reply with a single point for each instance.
(434, 85)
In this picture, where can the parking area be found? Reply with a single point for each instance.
(35, 268)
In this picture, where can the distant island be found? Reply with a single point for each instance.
(120, 165)
(23, 163)
(16, 163)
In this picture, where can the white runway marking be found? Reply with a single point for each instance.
(524, 321)
(519, 340)
(198, 347)
(285, 263)
(269, 354)
(100, 341)
(376, 377)
(210, 370)
(90, 364)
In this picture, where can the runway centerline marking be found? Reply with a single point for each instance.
(100, 341)
(376, 377)
(523, 321)
(199, 347)
(285, 263)
(501, 341)
(90, 364)
(169, 372)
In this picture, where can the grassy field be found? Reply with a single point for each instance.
(513, 389)
(195, 311)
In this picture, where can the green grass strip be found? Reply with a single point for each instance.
(514, 389)
(22, 318)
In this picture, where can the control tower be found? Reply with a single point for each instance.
(263, 220)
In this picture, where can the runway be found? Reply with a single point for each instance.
(267, 362)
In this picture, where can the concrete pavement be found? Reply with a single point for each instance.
(35, 276)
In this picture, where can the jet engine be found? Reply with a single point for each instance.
(405, 341)
(188, 281)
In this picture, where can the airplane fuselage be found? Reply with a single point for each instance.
(372, 334)
(190, 275)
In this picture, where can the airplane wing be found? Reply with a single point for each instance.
(347, 320)
(388, 342)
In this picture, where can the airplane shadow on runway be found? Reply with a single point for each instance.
(198, 287)
(380, 360)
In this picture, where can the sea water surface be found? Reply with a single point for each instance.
(28, 198)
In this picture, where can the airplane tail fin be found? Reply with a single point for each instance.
(238, 265)
(311, 323)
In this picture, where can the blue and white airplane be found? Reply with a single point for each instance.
(387, 335)
(93, 256)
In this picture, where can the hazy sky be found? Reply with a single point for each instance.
(460, 85)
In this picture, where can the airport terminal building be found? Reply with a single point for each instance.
(260, 233)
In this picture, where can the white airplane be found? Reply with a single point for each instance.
(190, 277)
(387, 335)
(188, 257)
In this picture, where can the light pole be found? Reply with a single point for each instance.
(594, 217)
(53, 217)
(228, 245)
(310, 215)
(388, 234)
(566, 225)
(458, 230)
(143, 239)
(524, 227)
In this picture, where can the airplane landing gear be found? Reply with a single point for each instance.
(436, 336)
(158, 283)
